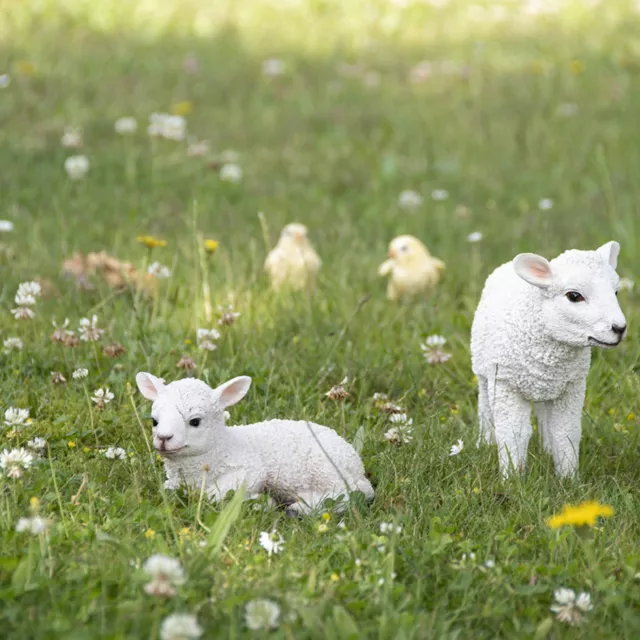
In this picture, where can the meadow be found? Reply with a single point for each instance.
(516, 126)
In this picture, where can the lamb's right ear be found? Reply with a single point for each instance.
(149, 385)
(533, 269)
(232, 391)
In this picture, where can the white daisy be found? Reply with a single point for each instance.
(102, 397)
(159, 271)
(456, 448)
(125, 125)
(37, 444)
(231, 173)
(72, 137)
(88, 329)
(409, 199)
(545, 204)
(78, 374)
(476, 236)
(166, 573)
(439, 194)
(272, 67)
(115, 452)
(569, 608)
(76, 167)
(262, 614)
(12, 344)
(271, 542)
(34, 525)
(15, 417)
(15, 461)
(180, 626)
(6, 226)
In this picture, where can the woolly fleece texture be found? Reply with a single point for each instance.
(299, 464)
(530, 343)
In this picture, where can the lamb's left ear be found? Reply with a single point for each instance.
(609, 253)
(149, 385)
(232, 391)
(533, 269)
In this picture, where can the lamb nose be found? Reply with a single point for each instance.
(164, 438)
(618, 329)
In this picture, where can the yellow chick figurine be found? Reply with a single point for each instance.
(293, 262)
(413, 269)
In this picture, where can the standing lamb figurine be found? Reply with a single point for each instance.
(300, 464)
(530, 342)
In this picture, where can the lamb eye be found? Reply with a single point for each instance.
(574, 296)
(154, 422)
(194, 422)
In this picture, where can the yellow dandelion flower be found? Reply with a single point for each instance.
(86, 450)
(150, 534)
(183, 108)
(151, 242)
(585, 514)
(188, 341)
(71, 444)
(326, 516)
(631, 416)
(577, 68)
(25, 68)
(35, 503)
(335, 577)
(211, 246)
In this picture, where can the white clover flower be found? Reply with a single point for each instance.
(271, 542)
(34, 525)
(545, 204)
(6, 226)
(125, 125)
(166, 573)
(409, 199)
(88, 329)
(626, 284)
(31, 288)
(231, 173)
(490, 563)
(23, 313)
(390, 528)
(12, 344)
(78, 374)
(379, 397)
(197, 148)
(439, 194)
(262, 614)
(24, 300)
(15, 417)
(13, 462)
(273, 67)
(569, 608)
(159, 271)
(5, 80)
(72, 137)
(37, 444)
(76, 167)
(228, 316)
(456, 448)
(206, 338)
(435, 341)
(115, 452)
(401, 419)
(399, 435)
(102, 396)
(437, 356)
(476, 236)
(175, 128)
(180, 626)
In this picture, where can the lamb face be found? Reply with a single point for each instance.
(187, 414)
(577, 292)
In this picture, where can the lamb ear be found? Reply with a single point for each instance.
(232, 391)
(609, 253)
(149, 385)
(533, 269)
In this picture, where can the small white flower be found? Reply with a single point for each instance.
(15, 417)
(102, 396)
(231, 173)
(227, 316)
(271, 542)
(379, 397)
(273, 67)
(626, 284)
(166, 573)
(12, 344)
(24, 300)
(390, 528)
(31, 288)
(456, 448)
(13, 462)
(197, 148)
(476, 236)
(545, 204)
(490, 563)
(72, 137)
(23, 313)
(409, 199)
(262, 614)
(115, 452)
(175, 128)
(437, 356)
(434, 341)
(583, 602)
(78, 374)
(159, 271)
(206, 339)
(126, 125)
(37, 444)
(5, 80)
(439, 194)
(180, 626)
(399, 435)
(568, 608)
(6, 226)
(226, 415)
(76, 167)
(88, 329)
(401, 419)
(34, 525)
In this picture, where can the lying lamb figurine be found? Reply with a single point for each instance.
(299, 464)
(530, 342)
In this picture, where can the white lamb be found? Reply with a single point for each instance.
(299, 464)
(530, 343)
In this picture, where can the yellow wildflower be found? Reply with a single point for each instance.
(474, 380)
(35, 504)
(581, 515)
(611, 411)
(335, 577)
(151, 242)
(188, 341)
(86, 450)
(183, 108)
(184, 531)
(211, 246)
(326, 516)
(150, 534)
(476, 490)
(295, 339)
(71, 444)
(422, 393)
(322, 528)
(631, 416)
(25, 68)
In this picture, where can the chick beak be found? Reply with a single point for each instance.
(392, 254)
(299, 236)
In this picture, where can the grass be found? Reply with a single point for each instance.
(334, 152)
